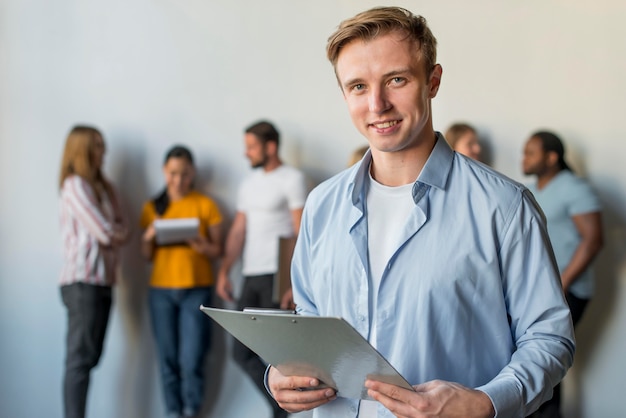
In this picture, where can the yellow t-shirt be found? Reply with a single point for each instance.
(179, 266)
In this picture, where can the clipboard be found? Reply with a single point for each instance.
(175, 231)
(327, 348)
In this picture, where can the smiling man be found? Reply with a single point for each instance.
(437, 260)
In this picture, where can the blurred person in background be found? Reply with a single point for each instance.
(182, 280)
(269, 206)
(357, 155)
(463, 138)
(93, 228)
(574, 218)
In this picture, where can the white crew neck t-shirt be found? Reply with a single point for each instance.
(387, 211)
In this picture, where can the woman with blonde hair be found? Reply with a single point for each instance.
(463, 138)
(357, 155)
(93, 228)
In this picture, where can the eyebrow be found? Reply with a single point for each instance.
(393, 73)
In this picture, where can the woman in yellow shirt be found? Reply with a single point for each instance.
(182, 280)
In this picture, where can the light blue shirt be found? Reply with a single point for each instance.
(471, 295)
(565, 196)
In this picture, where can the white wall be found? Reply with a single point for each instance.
(151, 73)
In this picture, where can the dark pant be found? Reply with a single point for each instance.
(182, 333)
(88, 308)
(552, 407)
(256, 293)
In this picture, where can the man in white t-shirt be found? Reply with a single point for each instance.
(269, 206)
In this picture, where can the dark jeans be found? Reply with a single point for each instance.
(182, 333)
(256, 293)
(552, 407)
(88, 308)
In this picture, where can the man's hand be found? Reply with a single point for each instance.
(286, 302)
(432, 399)
(297, 393)
(223, 287)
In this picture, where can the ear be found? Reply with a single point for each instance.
(434, 80)
(552, 159)
(271, 148)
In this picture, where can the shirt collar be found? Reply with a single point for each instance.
(435, 172)
(437, 168)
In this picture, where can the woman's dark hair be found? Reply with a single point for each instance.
(162, 201)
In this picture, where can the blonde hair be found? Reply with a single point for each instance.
(357, 154)
(456, 131)
(379, 21)
(78, 158)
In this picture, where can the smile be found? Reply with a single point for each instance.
(384, 125)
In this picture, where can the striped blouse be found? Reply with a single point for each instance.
(89, 231)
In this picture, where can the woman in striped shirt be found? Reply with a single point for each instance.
(93, 228)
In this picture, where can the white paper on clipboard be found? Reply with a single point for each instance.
(327, 348)
(175, 231)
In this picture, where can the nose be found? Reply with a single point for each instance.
(178, 181)
(377, 100)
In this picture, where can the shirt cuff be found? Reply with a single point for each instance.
(266, 382)
(505, 396)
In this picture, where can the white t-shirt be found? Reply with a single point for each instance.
(267, 199)
(387, 211)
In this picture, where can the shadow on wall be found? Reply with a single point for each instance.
(610, 261)
(138, 363)
(486, 152)
(217, 355)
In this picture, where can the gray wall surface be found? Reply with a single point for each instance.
(152, 73)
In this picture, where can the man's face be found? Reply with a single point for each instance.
(388, 91)
(255, 151)
(535, 161)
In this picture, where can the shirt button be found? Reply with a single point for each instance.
(353, 409)
(361, 318)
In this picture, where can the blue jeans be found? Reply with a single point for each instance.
(182, 333)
